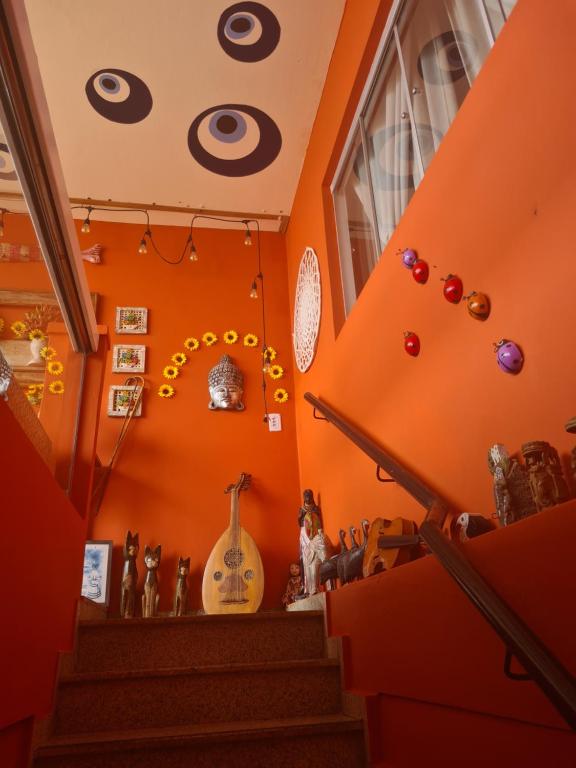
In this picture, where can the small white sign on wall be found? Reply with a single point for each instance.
(274, 422)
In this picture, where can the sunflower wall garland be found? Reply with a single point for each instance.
(229, 337)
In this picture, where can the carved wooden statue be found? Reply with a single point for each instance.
(512, 492)
(181, 596)
(545, 476)
(315, 546)
(150, 598)
(295, 587)
(129, 576)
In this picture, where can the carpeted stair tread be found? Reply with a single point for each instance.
(200, 640)
(254, 729)
(266, 666)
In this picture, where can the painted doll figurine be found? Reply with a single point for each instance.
(181, 596)
(129, 577)
(295, 587)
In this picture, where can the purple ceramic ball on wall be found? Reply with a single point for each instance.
(409, 257)
(509, 356)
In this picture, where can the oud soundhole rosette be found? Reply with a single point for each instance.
(234, 557)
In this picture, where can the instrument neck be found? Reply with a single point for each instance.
(234, 516)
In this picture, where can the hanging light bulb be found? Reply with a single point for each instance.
(193, 252)
(142, 248)
(2, 222)
(85, 226)
(266, 358)
(248, 236)
(254, 290)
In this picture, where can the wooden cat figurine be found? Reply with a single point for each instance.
(129, 576)
(151, 597)
(181, 596)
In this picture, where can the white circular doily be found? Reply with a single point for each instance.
(307, 305)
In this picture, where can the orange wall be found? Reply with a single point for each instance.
(179, 457)
(496, 207)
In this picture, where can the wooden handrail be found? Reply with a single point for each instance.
(546, 671)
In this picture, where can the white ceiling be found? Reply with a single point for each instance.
(174, 49)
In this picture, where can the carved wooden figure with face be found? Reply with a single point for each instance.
(225, 384)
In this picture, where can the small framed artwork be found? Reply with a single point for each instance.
(131, 320)
(128, 357)
(119, 399)
(96, 571)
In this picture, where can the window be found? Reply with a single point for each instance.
(430, 53)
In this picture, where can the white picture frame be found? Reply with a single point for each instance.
(131, 320)
(129, 358)
(96, 571)
(118, 401)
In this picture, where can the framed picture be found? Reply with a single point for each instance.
(96, 571)
(119, 398)
(128, 357)
(131, 320)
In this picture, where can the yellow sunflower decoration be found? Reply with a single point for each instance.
(47, 353)
(191, 344)
(250, 340)
(18, 328)
(179, 359)
(276, 371)
(230, 337)
(280, 395)
(166, 390)
(269, 354)
(55, 368)
(170, 371)
(209, 338)
(56, 387)
(36, 333)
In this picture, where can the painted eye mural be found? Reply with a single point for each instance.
(7, 170)
(248, 31)
(446, 58)
(234, 140)
(119, 96)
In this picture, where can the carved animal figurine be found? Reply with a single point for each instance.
(328, 570)
(129, 576)
(511, 486)
(353, 566)
(181, 596)
(469, 526)
(342, 564)
(151, 597)
(545, 475)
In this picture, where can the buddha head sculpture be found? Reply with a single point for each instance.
(226, 386)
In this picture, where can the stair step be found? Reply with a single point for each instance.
(328, 741)
(115, 644)
(169, 697)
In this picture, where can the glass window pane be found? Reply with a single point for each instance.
(358, 251)
(444, 43)
(394, 169)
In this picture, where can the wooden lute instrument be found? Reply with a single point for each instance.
(234, 578)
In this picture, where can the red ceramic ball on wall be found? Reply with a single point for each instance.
(453, 289)
(411, 343)
(420, 271)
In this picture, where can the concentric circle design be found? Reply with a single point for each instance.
(248, 31)
(446, 57)
(233, 557)
(234, 140)
(7, 169)
(307, 308)
(119, 96)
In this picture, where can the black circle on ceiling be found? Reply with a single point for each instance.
(265, 152)
(136, 105)
(242, 24)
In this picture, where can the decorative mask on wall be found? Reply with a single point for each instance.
(226, 386)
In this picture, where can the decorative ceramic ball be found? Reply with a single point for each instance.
(409, 257)
(411, 343)
(420, 271)
(453, 289)
(478, 305)
(509, 356)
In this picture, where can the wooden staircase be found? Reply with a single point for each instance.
(252, 690)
